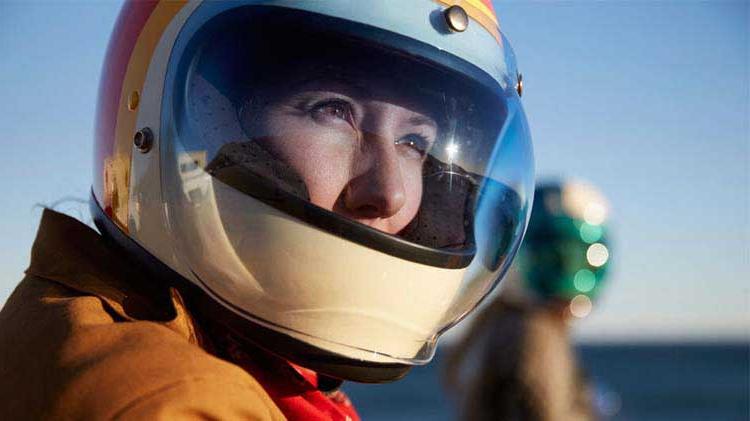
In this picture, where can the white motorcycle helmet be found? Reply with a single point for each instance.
(340, 181)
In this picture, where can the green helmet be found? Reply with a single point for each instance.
(565, 253)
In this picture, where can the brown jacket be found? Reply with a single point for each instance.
(79, 340)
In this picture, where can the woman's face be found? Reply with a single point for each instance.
(358, 148)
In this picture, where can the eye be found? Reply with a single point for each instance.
(415, 144)
(330, 110)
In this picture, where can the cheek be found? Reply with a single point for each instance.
(318, 156)
(324, 179)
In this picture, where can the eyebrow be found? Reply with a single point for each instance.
(359, 88)
(420, 120)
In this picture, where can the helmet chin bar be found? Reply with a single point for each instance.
(251, 333)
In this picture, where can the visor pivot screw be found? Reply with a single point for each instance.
(519, 84)
(456, 18)
(143, 140)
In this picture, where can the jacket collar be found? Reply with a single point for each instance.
(71, 253)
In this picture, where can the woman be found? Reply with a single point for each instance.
(290, 195)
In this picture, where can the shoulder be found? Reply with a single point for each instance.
(199, 396)
(77, 360)
(546, 349)
(151, 372)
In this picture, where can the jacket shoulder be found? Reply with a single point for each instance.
(64, 354)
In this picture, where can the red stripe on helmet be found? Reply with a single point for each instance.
(130, 22)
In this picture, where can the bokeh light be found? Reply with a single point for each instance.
(590, 233)
(580, 306)
(584, 280)
(595, 213)
(597, 254)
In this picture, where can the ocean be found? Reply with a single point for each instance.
(639, 382)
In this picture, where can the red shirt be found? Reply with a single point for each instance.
(294, 389)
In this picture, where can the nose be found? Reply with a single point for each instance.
(378, 190)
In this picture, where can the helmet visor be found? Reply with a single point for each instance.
(324, 183)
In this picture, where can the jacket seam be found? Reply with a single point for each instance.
(169, 386)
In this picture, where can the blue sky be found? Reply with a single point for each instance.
(650, 101)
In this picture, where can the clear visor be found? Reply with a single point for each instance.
(356, 198)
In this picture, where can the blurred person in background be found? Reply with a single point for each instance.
(516, 362)
(288, 195)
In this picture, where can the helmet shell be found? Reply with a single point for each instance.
(128, 181)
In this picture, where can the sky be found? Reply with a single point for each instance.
(648, 100)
